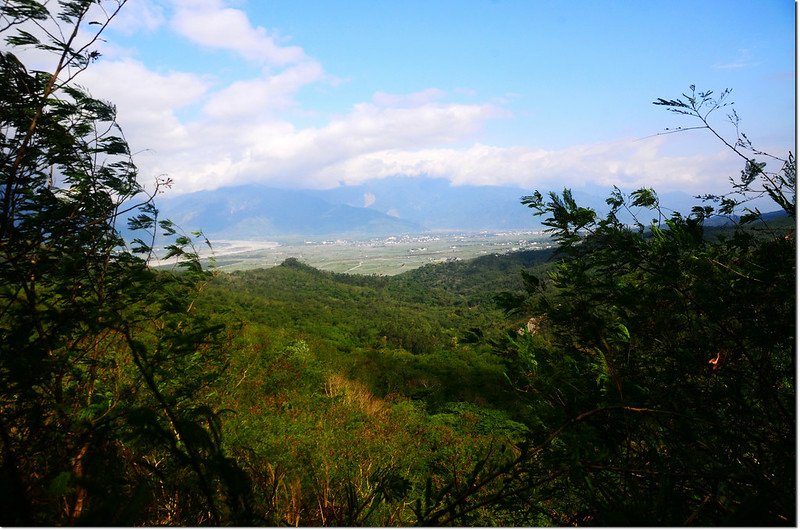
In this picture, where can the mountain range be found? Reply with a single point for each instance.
(380, 207)
(259, 212)
(391, 206)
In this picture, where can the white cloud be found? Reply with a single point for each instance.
(139, 15)
(625, 163)
(130, 83)
(370, 127)
(372, 141)
(147, 106)
(211, 24)
(255, 96)
(238, 132)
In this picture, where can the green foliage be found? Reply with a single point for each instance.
(664, 370)
(348, 426)
(756, 180)
(106, 369)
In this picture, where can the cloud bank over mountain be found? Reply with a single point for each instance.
(240, 110)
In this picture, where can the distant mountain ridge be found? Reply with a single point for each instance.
(259, 212)
(437, 205)
(376, 208)
(392, 206)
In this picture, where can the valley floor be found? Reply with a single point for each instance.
(381, 256)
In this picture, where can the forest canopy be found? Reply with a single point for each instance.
(641, 374)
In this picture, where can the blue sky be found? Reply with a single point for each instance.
(529, 93)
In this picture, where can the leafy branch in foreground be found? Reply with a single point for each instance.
(755, 180)
(105, 367)
(660, 316)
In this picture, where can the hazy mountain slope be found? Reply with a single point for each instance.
(379, 207)
(253, 212)
(435, 204)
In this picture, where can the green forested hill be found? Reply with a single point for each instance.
(475, 280)
(343, 385)
(426, 312)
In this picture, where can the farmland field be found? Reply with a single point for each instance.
(382, 256)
